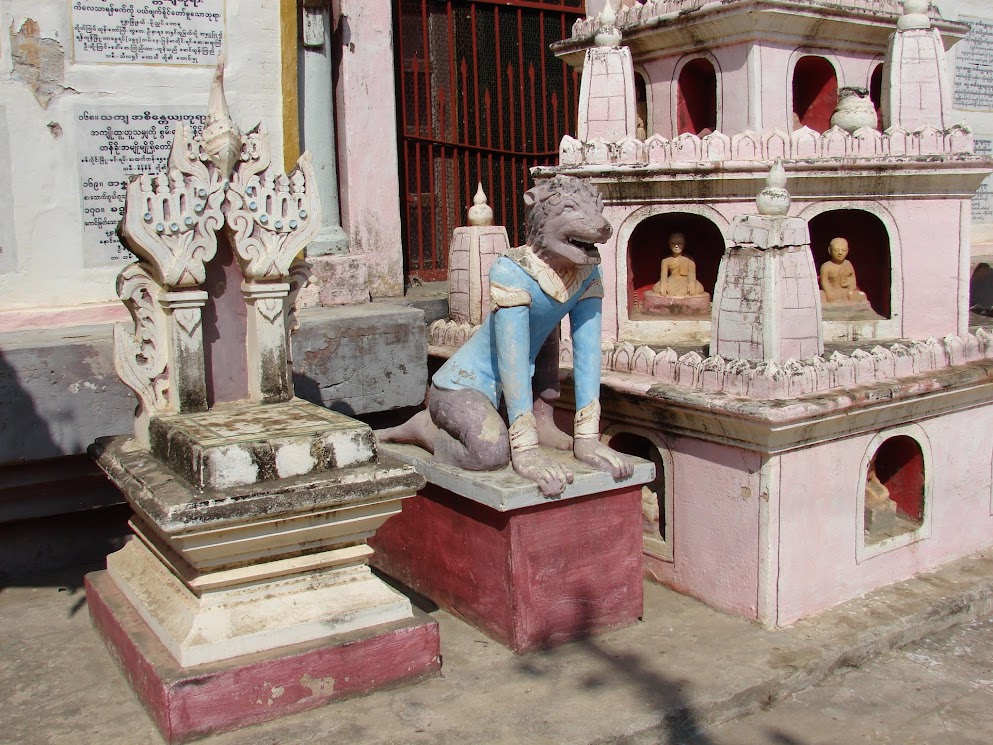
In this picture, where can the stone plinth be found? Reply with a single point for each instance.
(767, 303)
(191, 702)
(226, 572)
(654, 304)
(530, 572)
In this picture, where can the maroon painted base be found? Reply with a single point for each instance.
(188, 703)
(531, 578)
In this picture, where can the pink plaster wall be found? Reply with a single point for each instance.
(23, 319)
(609, 266)
(659, 77)
(928, 255)
(368, 170)
(776, 61)
(715, 531)
(733, 88)
(819, 522)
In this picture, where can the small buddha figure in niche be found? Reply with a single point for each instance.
(678, 292)
(678, 274)
(838, 283)
(880, 510)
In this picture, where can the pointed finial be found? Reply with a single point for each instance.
(221, 137)
(480, 214)
(774, 200)
(914, 15)
(607, 34)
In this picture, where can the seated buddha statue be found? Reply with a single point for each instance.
(837, 277)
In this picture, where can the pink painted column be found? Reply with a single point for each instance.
(367, 136)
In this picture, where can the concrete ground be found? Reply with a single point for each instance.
(937, 690)
(673, 678)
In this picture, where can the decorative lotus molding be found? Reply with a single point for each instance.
(802, 144)
(762, 380)
(792, 377)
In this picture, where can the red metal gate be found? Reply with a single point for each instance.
(481, 99)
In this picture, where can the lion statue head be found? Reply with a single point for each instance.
(565, 221)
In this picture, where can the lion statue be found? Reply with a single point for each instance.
(514, 354)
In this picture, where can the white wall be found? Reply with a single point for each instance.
(981, 119)
(42, 212)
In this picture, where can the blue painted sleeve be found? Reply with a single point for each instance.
(585, 323)
(513, 345)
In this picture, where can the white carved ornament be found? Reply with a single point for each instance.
(141, 355)
(273, 215)
(171, 218)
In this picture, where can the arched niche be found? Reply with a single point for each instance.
(649, 243)
(902, 461)
(643, 105)
(696, 97)
(815, 92)
(656, 506)
(869, 251)
(876, 93)
(895, 474)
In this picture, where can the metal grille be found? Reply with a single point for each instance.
(481, 100)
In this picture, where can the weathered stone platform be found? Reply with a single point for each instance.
(529, 571)
(221, 573)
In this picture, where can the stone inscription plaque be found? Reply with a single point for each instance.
(974, 67)
(8, 249)
(982, 202)
(147, 32)
(112, 144)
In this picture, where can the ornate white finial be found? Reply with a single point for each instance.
(914, 15)
(480, 214)
(774, 200)
(221, 137)
(607, 34)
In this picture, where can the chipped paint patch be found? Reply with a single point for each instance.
(492, 428)
(39, 62)
(318, 686)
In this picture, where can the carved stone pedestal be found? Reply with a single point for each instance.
(528, 571)
(250, 528)
(662, 305)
